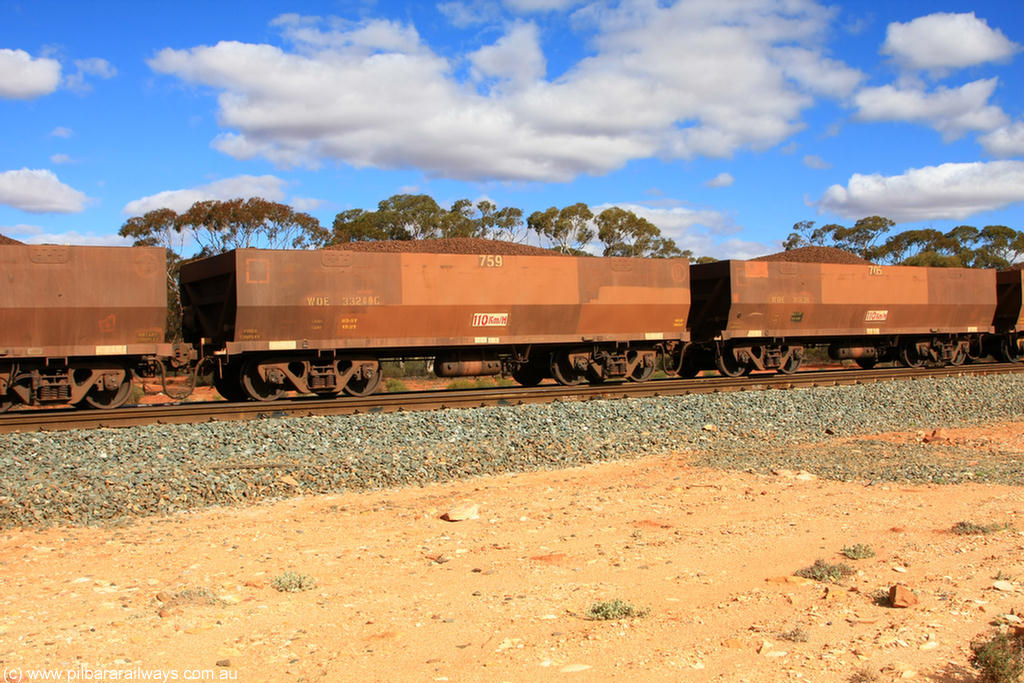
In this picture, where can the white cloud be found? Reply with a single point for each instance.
(817, 73)
(693, 79)
(540, 5)
(736, 248)
(944, 40)
(61, 159)
(23, 77)
(77, 238)
(948, 191)
(1007, 141)
(62, 132)
(951, 111)
(675, 221)
(463, 14)
(816, 162)
(94, 66)
(307, 203)
(39, 191)
(244, 186)
(516, 57)
(721, 180)
(21, 231)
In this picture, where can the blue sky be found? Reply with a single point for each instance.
(723, 122)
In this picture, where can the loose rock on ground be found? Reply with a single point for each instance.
(104, 475)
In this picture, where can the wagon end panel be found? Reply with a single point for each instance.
(209, 298)
(710, 298)
(1009, 315)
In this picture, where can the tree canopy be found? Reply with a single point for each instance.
(567, 229)
(859, 239)
(418, 216)
(218, 226)
(623, 233)
(994, 246)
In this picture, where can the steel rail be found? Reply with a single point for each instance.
(176, 413)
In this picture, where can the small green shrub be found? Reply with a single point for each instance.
(189, 596)
(825, 572)
(407, 368)
(859, 551)
(461, 383)
(393, 384)
(797, 635)
(291, 582)
(864, 675)
(966, 528)
(135, 395)
(613, 609)
(999, 658)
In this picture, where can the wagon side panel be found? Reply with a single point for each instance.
(339, 299)
(74, 301)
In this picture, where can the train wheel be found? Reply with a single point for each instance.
(5, 404)
(106, 399)
(528, 375)
(1005, 352)
(641, 373)
(689, 370)
(791, 365)
(229, 383)
(563, 371)
(728, 366)
(256, 387)
(690, 366)
(959, 356)
(909, 356)
(360, 385)
(866, 363)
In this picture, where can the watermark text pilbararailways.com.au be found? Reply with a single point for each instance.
(14, 674)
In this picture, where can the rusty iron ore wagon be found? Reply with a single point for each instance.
(321, 321)
(753, 315)
(77, 322)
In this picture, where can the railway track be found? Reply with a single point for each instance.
(68, 418)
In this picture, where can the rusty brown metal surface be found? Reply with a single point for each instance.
(1010, 309)
(737, 299)
(82, 301)
(254, 299)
